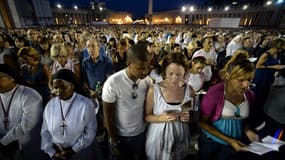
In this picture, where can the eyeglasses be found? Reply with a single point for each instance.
(134, 94)
(237, 112)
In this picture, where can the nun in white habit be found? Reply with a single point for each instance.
(69, 122)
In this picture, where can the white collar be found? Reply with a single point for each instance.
(9, 93)
(68, 101)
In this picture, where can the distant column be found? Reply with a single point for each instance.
(14, 13)
(150, 7)
(5, 20)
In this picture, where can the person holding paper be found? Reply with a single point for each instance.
(274, 128)
(167, 110)
(224, 110)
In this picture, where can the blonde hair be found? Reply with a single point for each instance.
(57, 50)
(192, 45)
(238, 66)
(85, 36)
(30, 52)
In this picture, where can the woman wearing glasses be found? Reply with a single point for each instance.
(224, 110)
(168, 135)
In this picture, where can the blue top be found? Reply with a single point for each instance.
(101, 52)
(97, 71)
(230, 127)
(266, 76)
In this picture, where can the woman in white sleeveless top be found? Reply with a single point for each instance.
(167, 111)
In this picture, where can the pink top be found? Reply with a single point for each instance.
(213, 102)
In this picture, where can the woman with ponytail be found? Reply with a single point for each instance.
(224, 110)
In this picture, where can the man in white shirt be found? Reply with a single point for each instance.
(123, 105)
(234, 45)
(20, 117)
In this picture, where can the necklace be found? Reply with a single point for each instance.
(63, 124)
(6, 112)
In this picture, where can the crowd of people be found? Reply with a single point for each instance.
(134, 92)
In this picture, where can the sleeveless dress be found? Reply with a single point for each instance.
(167, 140)
(263, 78)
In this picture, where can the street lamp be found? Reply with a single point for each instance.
(191, 8)
(245, 7)
(101, 8)
(75, 7)
(59, 6)
(268, 3)
(187, 10)
(227, 8)
(210, 9)
(183, 9)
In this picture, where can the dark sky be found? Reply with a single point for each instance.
(137, 7)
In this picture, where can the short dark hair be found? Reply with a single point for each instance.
(137, 52)
(21, 39)
(199, 59)
(44, 40)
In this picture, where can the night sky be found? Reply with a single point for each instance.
(137, 7)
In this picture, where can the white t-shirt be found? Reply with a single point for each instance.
(232, 47)
(155, 76)
(196, 81)
(129, 112)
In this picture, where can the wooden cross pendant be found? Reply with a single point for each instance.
(63, 126)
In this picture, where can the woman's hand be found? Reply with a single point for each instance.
(185, 116)
(237, 145)
(278, 66)
(168, 117)
(252, 136)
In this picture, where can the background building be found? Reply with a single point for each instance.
(119, 18)
(24, 13)
(70, 15)
(254, 14)
(249, 13)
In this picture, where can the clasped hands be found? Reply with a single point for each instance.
(63, 154)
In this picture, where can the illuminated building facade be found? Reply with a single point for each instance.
(119, 18)
(262, 14)
(70, 16)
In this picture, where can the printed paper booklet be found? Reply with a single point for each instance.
(267, 144)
